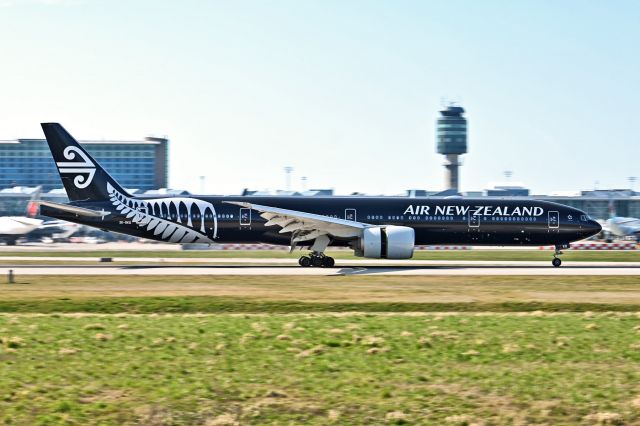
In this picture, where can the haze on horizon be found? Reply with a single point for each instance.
(345, 92)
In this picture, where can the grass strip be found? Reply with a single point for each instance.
(203, 304)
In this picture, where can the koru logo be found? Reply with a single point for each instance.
(83, 169)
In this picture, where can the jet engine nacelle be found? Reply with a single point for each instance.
(386, 242)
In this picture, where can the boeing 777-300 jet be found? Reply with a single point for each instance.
(374, 227)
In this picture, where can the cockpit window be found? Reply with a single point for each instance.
(583, 217)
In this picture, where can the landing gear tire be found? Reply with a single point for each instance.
(328, 262)
(317, 261)
(558, 251)
(304, 261)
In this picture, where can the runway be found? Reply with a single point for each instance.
(435, 268)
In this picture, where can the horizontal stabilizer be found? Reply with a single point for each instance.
(72, 209)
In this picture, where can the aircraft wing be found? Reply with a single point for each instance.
(26, 221)
(305, 226)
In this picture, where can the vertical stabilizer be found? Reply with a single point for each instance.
(32, 206)
(81, 175)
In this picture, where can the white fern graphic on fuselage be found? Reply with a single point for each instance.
(156, 216)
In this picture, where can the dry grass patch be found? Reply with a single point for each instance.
(510, 348)
(604, 418)
(375, 350)
(460, 420)
(39, 291)
(223, 420)
(396, 417)
(103, 337)
(372, 341)
(316, 350)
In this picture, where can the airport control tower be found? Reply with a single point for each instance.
(452, 142)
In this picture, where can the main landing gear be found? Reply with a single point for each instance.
(318, 260)
(556, 260)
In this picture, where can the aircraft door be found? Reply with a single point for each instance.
(474, 221)
(245, 217)
(554, 220)
(350, 214)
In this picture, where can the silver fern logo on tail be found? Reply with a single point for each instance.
(154, 215)
(83, 168)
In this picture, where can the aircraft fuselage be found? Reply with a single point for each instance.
(474, 221)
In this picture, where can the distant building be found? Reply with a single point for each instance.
(418, 193)
(141, 164)
(600, 204)
(14, 201)
(507, 190)
(285, 193)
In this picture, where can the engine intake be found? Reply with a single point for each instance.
(386, 242)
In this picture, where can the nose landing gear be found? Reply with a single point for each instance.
(318, 260)
(556, 260)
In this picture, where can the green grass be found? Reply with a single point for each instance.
(229, 350)
(319, 369)
(544, 255)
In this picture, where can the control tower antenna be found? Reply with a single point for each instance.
(452, 142)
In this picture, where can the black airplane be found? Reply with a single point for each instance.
(375, 227)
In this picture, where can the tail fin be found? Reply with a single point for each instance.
(82, 176)
(32, 205)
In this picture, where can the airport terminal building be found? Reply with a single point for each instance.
(139, 164)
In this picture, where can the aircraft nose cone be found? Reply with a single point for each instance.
(594, 227)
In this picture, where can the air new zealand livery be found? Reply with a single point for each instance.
(375, 227)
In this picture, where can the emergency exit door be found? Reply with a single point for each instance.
(245, 217)
(554, 220)
(350, 214)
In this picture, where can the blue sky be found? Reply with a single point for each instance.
(346, 92)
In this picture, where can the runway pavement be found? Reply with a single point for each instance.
(260, 267)
(222, 261)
